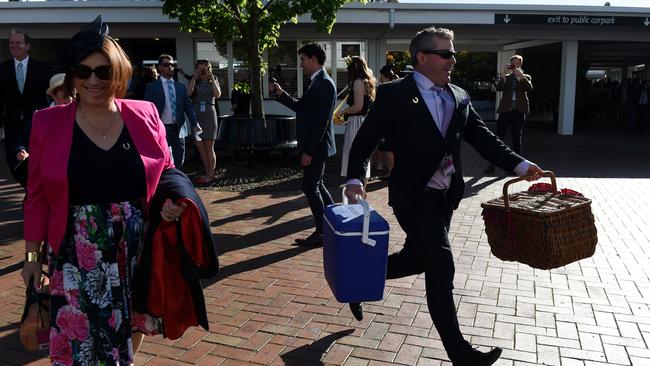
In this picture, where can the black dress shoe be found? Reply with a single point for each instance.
(478, 358)
(312, 240)
(357, 310)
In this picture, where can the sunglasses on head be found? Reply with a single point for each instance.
(103, 72)
(446, 54)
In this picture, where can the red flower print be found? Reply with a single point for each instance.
(116, 212)
(56, 283)
(73, 323)
(87, 255)
(60, 350)
(72, 297)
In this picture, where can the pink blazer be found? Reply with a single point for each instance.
(46, 205)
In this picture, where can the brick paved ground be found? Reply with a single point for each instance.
(271, 305)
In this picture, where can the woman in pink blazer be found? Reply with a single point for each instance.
(94, 165)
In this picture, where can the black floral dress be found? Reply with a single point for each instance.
(91, 276)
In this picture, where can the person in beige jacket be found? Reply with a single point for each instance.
(514, 105)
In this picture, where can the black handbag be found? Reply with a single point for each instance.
(35, 321)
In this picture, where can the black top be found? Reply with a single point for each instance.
(366, 104)
(97, 176)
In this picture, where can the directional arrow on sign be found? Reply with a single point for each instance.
(647, 21)
(506, 19)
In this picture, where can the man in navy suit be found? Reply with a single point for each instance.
(314, 132)
(23, 82)
(173, 103)
(426, 119)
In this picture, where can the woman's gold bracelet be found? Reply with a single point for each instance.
(31, 257)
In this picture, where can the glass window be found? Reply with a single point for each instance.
(283, 66)
(343, 50)
(206, 50)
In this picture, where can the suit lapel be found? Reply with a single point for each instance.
(28, 76)
(418, 108)
(12, 74)
(319, 78)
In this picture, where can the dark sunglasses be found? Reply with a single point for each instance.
(167, 64)
(103, 72)
(446, 54)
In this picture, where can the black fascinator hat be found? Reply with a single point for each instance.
(88, 40)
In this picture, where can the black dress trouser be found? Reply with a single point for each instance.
(314, 189)
(515, 120)
(18, 170)
(427, 249)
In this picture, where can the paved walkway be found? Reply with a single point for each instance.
(270, 304)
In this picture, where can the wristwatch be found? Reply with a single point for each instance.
(31, 257)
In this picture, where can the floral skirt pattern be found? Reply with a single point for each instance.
(90, 286)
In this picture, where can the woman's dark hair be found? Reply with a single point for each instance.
(358, 69)
(388, 73)
(313, 49)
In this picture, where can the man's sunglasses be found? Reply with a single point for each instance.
(103, 72)
(446, 54)
(167, 64)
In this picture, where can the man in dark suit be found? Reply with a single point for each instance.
(23, 82)
(173, 103)
(314, 132)
(513, 106)
(426, 118)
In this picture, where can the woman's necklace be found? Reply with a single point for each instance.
(103, 134)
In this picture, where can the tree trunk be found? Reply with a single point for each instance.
(255, 66)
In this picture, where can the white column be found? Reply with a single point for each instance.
(231, 67)
(334, 52)
(265, 77)
(185, 54)
(568, 87)
(299, 84)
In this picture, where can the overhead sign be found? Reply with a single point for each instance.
(572, 20)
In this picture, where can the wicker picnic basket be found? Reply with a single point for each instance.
(541, 229)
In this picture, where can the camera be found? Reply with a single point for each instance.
(510, 66)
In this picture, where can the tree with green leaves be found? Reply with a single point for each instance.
(255, 23)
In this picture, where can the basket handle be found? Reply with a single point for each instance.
(545, 173)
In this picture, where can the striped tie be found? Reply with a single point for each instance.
(20, 77)
(172, 98)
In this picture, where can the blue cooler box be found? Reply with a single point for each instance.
(355, 264)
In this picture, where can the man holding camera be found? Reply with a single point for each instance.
(513, 106)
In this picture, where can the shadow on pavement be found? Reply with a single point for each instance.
(11, 343)
(311, 354)
(255, 263)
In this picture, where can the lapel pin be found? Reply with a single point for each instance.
(415, 100)
(126, 146)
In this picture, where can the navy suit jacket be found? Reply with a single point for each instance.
(314, 117)
(154, 93)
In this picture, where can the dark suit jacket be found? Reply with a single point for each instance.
(314, 128)
(154, 93)
(523, 86)
(175, 256)
(399, 112)
(12, 102)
